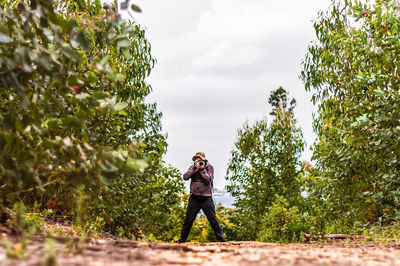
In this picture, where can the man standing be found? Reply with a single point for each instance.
(201, 174)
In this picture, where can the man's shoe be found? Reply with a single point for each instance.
(222, 240)
(181, 241)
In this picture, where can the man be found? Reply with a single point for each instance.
(201, 174)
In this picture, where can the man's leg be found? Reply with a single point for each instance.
(209, 210)
(192, 210)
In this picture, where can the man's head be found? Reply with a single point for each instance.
(200, 156)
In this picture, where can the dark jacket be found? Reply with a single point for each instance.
(201, 180)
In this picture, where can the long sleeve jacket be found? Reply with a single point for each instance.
(201, 180)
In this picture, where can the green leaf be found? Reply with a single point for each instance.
(53, 123)
(82, 40)
(362, 119)
(139, 165)
(136, 8)
(124, 5)
(73, 122)
(100, 95)
(122, 112)
(66, 49)
(379, 92)
(120, 106)
(3, 28)
(123, 43)
(45, 62)
(92, 78)
(119, 77)
(104, 59)
(65, 25)
(4, 38)
(126, 53)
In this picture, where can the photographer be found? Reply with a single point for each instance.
(201, 174)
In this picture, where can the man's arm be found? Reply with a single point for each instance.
(190, 172)
(208, 174)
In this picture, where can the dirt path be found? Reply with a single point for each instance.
(123, 252)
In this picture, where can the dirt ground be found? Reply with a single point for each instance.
(124, 252)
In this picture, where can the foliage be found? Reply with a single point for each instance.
(49, 255)
(202, 232)
(18, 250)
(353, 73)
(228, 228)
(283, 224)
(279, 100)
(315, 204)
(264, 164)
(148, 204)
(60, 92)
(384, 235)
(26, 223)
(74, 120)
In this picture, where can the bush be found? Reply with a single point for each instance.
(352, 72)
(202, 231)
(148, 205)
(61, 93)
(283, 223)
(74, 118)
(265, 162)
(25, 222)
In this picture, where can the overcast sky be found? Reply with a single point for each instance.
(218, 60)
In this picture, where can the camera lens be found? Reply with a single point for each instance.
(201, 163)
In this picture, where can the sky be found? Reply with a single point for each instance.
(217, 62)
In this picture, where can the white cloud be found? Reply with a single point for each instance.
(217, 62)
(226, 56)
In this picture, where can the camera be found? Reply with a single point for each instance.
(201, 163)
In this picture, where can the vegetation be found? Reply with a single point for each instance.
(283, 223)
(79, 142)
(202, 231)
(74, 124)
(352, 71)
(264, 166)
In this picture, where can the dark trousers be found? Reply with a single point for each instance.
(207, 205)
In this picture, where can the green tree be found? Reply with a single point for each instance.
(283, 223)
(146, 205)
(279, 100)
(55, 86)
(352, 70)
(73, 112)
(264, 164)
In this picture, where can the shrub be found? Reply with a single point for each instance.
(351, 71)
(147, 205)
(282, 223)
(265, 162)
(74, 118)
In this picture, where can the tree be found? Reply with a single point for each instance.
(55, 86)
(73, 111)
(278, 100)
(353, 72)
(264, 164)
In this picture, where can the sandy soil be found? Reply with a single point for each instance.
(124, 252)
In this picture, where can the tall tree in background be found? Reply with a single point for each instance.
(264, 165)
(353, 72)
(279, 101)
